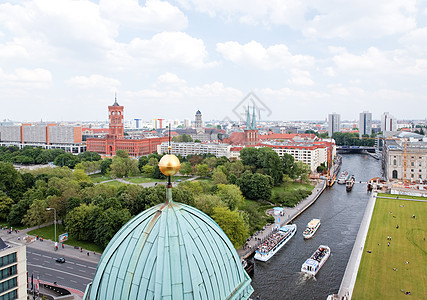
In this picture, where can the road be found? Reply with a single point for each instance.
(74, 273)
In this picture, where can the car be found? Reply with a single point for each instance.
(60, 260)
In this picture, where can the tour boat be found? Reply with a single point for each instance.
(311, 229)
(275, 242)
(315, 262)
(349, 184)
(344, 176)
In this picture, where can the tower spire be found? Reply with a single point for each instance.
(253, 125)
(248, 120)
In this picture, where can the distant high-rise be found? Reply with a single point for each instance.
(365, 123)
(334, 123)
(388, 122)
(187, 123)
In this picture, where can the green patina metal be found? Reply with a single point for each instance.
(170, 251)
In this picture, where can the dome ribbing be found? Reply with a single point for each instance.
(170, 251)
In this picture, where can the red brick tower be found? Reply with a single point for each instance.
(115, 114)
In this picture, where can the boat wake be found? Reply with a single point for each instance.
(304, 277)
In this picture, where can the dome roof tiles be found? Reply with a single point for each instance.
(170, 251)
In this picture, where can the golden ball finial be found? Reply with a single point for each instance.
(169, 165)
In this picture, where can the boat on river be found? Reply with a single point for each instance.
(317, 259)
(275, 242)
(349, 184)
(344, 176)
(311, 229)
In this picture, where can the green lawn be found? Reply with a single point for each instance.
(48, 233)
(290, 193)
(376, 278)
(138, 180)
(97, 178)
(114, 183)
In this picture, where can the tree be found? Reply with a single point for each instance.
(186, 169)
(81, 222)
(11, 182)
(270, 163)
(302, 171)
(105, 165)
(202, 170)
(231, 195)
(147, 170)
(237, 168)
(107, 225)
(233, 225)
(36, 214)
(208, 203)
(89, 156)
(249, 157)
(218, 176)
(124, 166)
(66, 159)
(211, 162)
(288, 164)
(255, 186)
(157, 173)
(142, 161)
(5, 205)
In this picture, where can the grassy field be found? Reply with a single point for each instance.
(114, 183)
(48, 233)
(97, 178)
(142, 179)
(384, 273)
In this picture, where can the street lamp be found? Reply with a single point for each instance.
(54, 214)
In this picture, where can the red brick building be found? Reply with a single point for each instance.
(116, 140)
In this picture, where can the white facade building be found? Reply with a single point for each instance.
(388, 122)
(185, 149)
(13, 271)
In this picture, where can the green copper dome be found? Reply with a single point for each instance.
(170, 251)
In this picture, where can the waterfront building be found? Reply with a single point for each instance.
(185, 149)
(170, 251)
(365, 123)
(116, 140)
(47, 136)
(405, 157)
(388, 122)
(334, 123)
(13, 271)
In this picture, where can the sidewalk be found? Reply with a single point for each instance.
(289, 214)
(49, 246)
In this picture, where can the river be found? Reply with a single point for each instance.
(340, 213)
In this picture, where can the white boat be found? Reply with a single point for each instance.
(275, 242)
(311, 229)
(344, 176)
(315, 262)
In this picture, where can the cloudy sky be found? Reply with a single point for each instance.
(65, 59)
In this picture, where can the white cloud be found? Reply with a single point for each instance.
(253, 54)
(321, 18)
(163, 48)
(170, 80)
(301, 78)
(94, 81)
(22, 77)
(155, 15)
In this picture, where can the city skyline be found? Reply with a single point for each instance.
(64, 60)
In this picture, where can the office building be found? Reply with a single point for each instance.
(388, 122)
(13, 271)
(334, 123)
(365, 123)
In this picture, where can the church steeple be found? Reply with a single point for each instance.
(253, 125)
(115, 100)
(248, 120)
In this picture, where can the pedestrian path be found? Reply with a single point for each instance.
(289, 214)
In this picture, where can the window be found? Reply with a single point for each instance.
(7, 272)
(412, 163)
(11, 295)
(8, 259)
(8, 284)
(394, 162)
(394, 174)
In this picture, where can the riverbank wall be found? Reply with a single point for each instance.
(350, 274)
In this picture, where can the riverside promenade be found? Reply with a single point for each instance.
(349, 278)
(289, 214)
